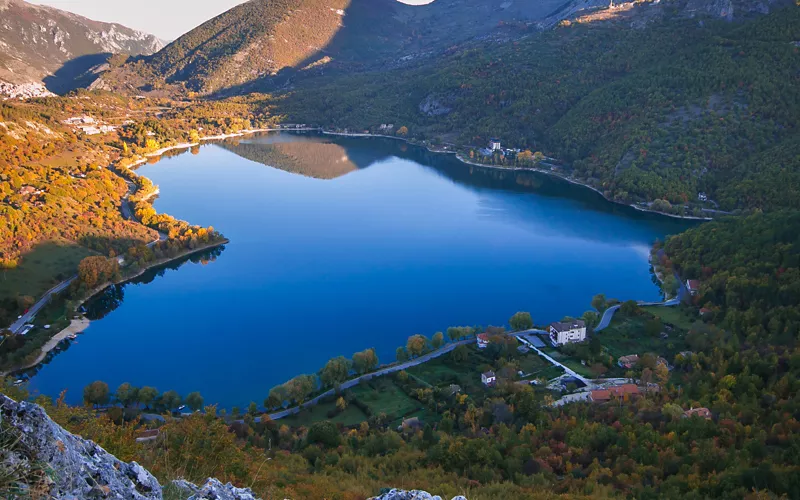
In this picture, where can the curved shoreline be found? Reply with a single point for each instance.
(515, 169)
(80, 324)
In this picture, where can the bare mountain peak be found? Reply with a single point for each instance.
(41, 43)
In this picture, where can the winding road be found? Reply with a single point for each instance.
(608, 315)
(369, 376)
(46, 298)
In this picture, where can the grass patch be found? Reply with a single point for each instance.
(627, 336)
(382, 395)
(39, 270)
(349, 417)
(444, 370)
(677, 316)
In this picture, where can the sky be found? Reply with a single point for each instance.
(167, 19)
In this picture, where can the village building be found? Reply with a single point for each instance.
(569, 332)
(488, 378)
(619, 392)
(494, 144)
(27, 190)
(148, 435)
(483, 340)
(698, 412)
(693, 286)
(628, 362)
(411, 425)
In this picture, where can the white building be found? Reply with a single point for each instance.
(483, 341)
(494, 144)
(570, 332)
(488, 378)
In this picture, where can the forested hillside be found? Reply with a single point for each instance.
(666, 112)
(260, 39)
(750, 270)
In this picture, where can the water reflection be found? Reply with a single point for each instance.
(105, 302)
(299, 154)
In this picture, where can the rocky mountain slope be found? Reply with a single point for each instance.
(43, 43)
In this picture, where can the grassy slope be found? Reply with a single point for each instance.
(42, 268)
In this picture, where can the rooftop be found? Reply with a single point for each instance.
(615, 392)
(560, 327)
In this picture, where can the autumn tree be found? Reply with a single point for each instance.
(334, 372)
(365, 361)
(437, 340)
(96, 393)
(126, 394)
(521, 321)
(416, 345)
(147, 395)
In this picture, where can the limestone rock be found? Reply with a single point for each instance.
(213, 489)
(82, 468)
(396, 494)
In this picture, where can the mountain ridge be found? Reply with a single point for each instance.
(41, 43)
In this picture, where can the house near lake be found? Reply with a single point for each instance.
(698, 412)
(567, 332)
(488, 378)
(629, 361)
(483, 340)
(494, 144)
(619, 392)
(693, 286)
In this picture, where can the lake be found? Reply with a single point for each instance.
(340, 244)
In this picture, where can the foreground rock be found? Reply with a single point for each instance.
(213, 490)
(80, 469)
(411, 495)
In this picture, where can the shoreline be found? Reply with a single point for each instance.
(524, 169)
(78, 325)
(75, 326)
(579, 183)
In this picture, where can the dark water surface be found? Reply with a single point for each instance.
(344, 244)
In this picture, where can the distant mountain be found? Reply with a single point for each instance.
(261, 38)
(39, 43)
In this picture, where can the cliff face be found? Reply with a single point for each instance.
(46, 461)
(37, 42)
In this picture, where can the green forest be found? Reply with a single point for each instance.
(663, 113)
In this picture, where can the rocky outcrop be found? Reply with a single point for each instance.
(76, 468)
(433, 106)
(213, 490)
(411, 495)
(40, 43)
(81, 469)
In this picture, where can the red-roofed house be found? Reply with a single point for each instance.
(483, 341)
(603, 395)
(693, 286)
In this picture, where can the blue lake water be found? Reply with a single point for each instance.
(344, 244)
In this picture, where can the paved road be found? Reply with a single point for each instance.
(28, 316)
(608, 315)
(569, 371)
(383, 371)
